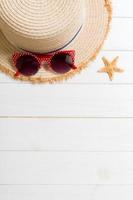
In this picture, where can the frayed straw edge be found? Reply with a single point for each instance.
(69, 75)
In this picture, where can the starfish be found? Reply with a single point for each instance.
(110, 67)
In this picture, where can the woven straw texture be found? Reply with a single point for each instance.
(41, 26)
(87, 44)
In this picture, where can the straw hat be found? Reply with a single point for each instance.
(44, 26)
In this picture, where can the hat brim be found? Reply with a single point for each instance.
(87, 44)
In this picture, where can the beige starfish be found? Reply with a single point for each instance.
(110, 67)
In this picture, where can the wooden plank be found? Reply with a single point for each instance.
(66, 135)
(66, 168)
(95, 192)
(120, 35)
(68, 101)
(122, 8)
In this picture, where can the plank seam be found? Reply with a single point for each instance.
(61, 117)
(108, 185)
(66, 151)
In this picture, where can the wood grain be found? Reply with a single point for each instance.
(66, 192)
(122, 8)
(66, 101)
(66, 168)
(62, 135)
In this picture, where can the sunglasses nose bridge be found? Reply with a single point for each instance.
(44, 58)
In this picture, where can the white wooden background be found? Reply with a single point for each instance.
(73, 140)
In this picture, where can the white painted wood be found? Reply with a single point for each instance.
(95, 192)
(66, 168)
(66, 135)
(66, 101)
(122, 8)
(121, 34)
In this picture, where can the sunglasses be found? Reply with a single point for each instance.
(28, 64)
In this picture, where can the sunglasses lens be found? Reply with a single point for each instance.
(62, 63)
(27, 65)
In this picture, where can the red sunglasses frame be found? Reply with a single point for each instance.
(42, 57)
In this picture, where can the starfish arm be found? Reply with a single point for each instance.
(111, 76)
(103, 70)
(119, 70)
(106, 62)
(115, 60)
